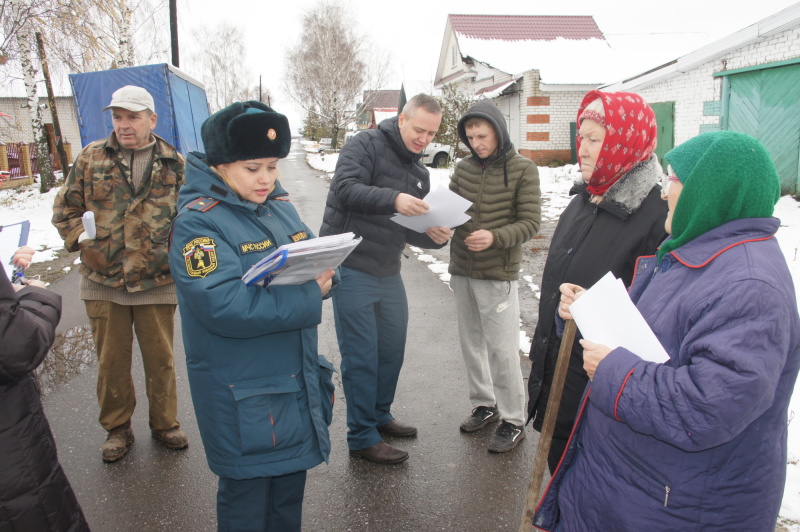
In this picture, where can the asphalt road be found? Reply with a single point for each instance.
(450, 482)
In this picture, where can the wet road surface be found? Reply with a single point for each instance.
(450, 482)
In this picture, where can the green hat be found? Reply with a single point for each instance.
(726, 176)
(244, 131)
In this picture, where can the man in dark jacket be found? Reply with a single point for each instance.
(485, 254)
(34, 491)
(379, 174)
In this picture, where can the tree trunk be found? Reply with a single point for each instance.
(29, 77)
(125, 53)
(334, 136)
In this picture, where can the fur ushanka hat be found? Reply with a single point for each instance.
(244, 131)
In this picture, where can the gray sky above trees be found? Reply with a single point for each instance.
(412, 30)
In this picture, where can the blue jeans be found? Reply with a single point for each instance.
(371, 316)
(266, 504)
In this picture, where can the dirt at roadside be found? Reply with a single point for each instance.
(53, 270)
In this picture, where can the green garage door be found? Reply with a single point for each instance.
(665, 120)
(766, 104)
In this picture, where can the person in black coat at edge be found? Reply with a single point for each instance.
(34, 491)
(616, 215)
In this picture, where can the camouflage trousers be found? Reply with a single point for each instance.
(112, 327)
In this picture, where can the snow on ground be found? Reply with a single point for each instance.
(28, 204)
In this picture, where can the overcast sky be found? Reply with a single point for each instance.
(412, 31)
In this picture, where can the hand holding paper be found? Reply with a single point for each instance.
(606, 315)
(88, 224)
(445, 209)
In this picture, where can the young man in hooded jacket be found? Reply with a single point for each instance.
(485, 254)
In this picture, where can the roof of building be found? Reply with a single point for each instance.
(525, 27)
(383, 98)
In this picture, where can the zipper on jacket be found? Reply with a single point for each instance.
(666, 495)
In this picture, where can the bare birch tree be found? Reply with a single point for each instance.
(24, 36)
(221, 65)
(330, 66)
(102, 34)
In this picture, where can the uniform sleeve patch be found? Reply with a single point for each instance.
(200, 256)
(297, 237)
(252, 247)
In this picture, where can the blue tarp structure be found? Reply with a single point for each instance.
(181, 103)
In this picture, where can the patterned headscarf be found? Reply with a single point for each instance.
(630, 136)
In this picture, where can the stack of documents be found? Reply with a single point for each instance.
(302, 261)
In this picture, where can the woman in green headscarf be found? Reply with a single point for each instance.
(698, 442)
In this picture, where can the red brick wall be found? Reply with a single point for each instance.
(548, 157)
(538, 136)
(538, 100)
(538, 119)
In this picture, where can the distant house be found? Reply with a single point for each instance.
(377, 106)
(17, 126)
(747, 82)
(522, 63)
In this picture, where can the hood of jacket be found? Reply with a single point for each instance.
(488, 111)
(391, 129)
(202, 181)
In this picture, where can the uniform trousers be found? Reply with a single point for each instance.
(371, 317)
(488, 328)
(112, 327)
(266, 504)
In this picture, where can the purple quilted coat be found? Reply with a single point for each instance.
(697, 443)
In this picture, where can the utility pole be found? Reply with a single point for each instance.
(173, 31)
(51, 100)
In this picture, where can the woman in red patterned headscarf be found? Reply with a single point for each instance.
(616, 215)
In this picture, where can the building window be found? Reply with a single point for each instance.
(454, 55)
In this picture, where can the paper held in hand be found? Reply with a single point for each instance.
(302, 261)
(445, 209)
(12, 236)
(606, 315)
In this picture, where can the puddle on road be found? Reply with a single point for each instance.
(72, 352)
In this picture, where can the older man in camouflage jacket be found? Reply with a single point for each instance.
(130, 182)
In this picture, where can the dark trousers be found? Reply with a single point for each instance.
(267, 504)
(371, 316)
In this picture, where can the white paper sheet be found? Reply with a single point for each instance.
(445, 209)
(12, 236)
(606, 315)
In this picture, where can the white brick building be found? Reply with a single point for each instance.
(18, 128)
(479, 52)
(747, 82)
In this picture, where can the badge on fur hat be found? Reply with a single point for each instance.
(271, 135)
(201, 256)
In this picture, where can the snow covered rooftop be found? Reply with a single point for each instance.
(576, 57)
(524, 27)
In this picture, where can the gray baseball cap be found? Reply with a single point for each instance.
(132, 98)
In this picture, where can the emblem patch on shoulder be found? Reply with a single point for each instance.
(201, 256)
(297, 237)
